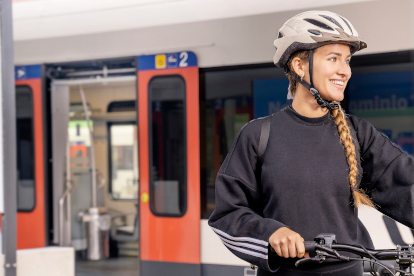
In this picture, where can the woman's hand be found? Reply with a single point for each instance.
(288, 243)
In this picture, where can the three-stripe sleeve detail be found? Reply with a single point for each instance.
(250, 246)
(248, 239)
(245, 251)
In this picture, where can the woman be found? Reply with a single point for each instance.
(320, 164)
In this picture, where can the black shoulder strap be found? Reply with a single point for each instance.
(264, 138)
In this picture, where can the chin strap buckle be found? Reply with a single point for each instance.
(314, 92)
(329, 105)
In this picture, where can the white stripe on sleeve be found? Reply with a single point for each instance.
(244, 244)
(245, 251)
(248, 239)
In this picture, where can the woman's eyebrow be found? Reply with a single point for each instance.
(337, 54)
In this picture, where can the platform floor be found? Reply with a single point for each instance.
(122, 266)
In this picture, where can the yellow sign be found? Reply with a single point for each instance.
(160, 61)
(144, 197)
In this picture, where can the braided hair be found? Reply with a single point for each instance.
(360, 197)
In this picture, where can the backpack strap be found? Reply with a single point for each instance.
(264, 138)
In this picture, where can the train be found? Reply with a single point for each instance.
(163, 120)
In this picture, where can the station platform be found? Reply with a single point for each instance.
(45, 261)
(122, 266)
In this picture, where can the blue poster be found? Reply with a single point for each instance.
(381, 94)
(386, 100)
(269, 96)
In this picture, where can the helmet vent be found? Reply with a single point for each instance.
(280, 35)
(332, 20)
(315, 32)
(318, 23)
(346, 22)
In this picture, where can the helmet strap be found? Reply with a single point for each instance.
(315, 93)
(311, 52)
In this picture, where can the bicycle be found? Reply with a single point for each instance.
(325, 246)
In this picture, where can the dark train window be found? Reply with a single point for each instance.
(167, 140)
(25, 149)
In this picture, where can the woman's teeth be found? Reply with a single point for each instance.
(337, 82)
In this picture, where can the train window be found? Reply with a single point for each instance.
(167, 139)
(123, 152)
(25, 149)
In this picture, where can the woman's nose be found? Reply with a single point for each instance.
(344, 69)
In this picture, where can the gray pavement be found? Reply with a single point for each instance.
(122, 266)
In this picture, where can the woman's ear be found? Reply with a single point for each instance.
(298, 66)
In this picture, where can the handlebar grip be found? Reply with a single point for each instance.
(310, 246)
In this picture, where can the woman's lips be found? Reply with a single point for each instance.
(341, 87)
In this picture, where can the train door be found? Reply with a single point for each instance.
(168, 127)
(95, 162)
(31, 217)
(94, 130)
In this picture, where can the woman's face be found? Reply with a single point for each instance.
(331, 70)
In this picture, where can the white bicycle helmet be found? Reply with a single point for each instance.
(308, 31)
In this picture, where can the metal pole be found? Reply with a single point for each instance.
(63, 234)
(93, 166)
(69, 183)
(8, 161)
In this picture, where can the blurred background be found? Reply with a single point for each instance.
(126, 110)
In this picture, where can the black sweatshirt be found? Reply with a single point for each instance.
(303, 184)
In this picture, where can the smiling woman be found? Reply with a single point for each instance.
(320, 164)
(332, 73)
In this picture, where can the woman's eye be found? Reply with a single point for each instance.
(348, 61)
(333, 59)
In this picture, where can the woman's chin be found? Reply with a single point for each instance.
(335, 97)
(338, 99)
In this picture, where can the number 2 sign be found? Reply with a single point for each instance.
(167, 61)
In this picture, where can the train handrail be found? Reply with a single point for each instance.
(62, 240)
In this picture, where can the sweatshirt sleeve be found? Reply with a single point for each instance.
(388, 173)
(237, 217)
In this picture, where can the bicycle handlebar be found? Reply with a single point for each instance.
(312, 246)
(325, 246)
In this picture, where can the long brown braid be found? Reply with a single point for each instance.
(360, 197)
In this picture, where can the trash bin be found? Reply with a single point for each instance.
(97, 223)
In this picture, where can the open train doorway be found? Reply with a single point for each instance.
(95, 164)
